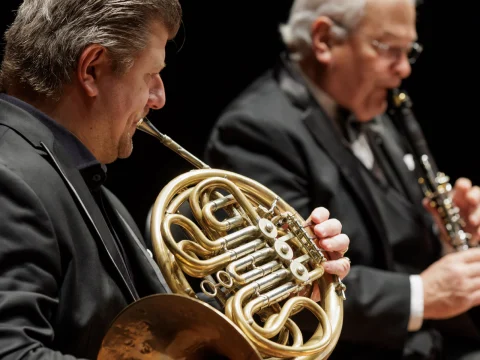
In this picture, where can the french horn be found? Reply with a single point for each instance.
(228, 240)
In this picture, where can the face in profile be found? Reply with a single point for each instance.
(127, 98)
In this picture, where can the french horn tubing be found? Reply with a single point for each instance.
(243, 247)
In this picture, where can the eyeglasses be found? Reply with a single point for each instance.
(395, 52)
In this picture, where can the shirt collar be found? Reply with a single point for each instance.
(93, 172)
(326, 102)
(343, 120)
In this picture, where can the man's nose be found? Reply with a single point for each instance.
(402, 67)
(157, 97)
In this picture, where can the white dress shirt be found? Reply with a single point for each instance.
(363, 152)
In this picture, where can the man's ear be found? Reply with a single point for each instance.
(322, 39)
(93, 63)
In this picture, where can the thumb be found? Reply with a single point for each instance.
(460, 191)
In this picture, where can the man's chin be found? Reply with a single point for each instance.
(372, 111)
(125, 151)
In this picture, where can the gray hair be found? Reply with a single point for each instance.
(44, 43)
(296, 33)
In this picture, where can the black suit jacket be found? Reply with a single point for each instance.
(62, 280)
(277, 134)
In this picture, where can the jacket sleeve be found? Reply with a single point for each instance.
(376, 299)
(30, 272)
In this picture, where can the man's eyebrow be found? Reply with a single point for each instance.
(390, 34)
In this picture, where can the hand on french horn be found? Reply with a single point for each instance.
(331, 239)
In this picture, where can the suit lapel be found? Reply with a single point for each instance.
(151, 279)
(326, 136)
(322, 130)
(93, 217)
(391, 144)
(145, 260)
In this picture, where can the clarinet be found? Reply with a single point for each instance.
(435, 184)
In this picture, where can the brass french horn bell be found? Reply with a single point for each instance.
(251, 253)
(174, 327)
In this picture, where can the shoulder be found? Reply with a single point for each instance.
(26, 172)
(20, 200)
(261, 104)
(22, 158)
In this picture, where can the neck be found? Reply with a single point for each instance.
(314, 72)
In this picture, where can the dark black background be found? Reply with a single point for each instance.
(228, 43)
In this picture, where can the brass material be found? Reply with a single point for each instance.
(147, 127)
(245, 247)
(174, 327)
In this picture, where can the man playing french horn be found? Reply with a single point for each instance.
(77, 77)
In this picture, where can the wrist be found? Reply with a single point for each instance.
(416, 303)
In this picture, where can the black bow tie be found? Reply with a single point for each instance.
(350, 126)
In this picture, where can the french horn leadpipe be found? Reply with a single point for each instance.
(146, 126)
(260, 263)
